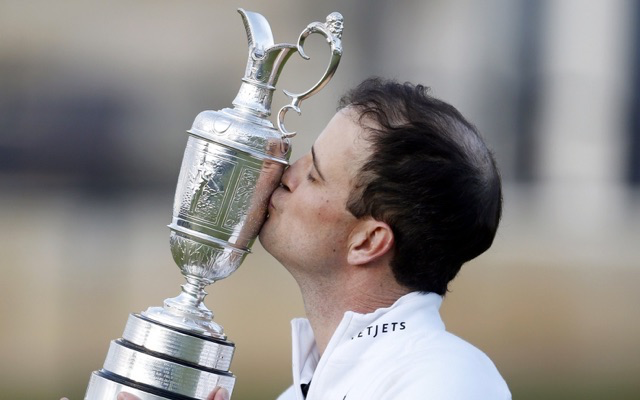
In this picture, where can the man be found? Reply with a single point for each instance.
(397, 192)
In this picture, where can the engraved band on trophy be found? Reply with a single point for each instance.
(233, 160)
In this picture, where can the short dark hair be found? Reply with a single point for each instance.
(429, 176)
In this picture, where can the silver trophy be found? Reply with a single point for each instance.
(233, 161)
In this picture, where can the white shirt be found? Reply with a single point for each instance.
(402, 352)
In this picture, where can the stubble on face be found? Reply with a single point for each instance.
(309, 224)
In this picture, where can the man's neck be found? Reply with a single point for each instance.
(325, 305)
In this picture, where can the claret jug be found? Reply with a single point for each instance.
(233, 160)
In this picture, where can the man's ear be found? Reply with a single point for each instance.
(369, 241)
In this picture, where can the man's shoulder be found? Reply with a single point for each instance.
(446, 353)
(443, 365)
(438, 363)
(416, 343)
(444, 344)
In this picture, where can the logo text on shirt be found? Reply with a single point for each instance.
(374, 330)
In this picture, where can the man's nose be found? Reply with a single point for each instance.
(289, 178)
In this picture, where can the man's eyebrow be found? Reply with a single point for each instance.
(315, 163)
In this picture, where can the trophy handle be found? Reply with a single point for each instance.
(332, 31)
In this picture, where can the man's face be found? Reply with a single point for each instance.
(308, 224)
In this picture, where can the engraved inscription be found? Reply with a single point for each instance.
(241, 199)
(163, 376)
(206, 185)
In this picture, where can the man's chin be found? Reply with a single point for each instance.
(264, 233)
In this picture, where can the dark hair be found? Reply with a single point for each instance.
(429, 176)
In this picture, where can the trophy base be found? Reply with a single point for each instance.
(101, 387)
(177, 318)
(156, 361)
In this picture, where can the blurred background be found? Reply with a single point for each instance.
(95, 98)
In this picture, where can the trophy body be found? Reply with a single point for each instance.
(233, 160)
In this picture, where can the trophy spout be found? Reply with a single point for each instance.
(264, 65)
(258, 30)
(266, 59)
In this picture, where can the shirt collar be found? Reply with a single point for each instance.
(416, 307)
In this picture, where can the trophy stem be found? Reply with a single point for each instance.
(187, 311)
(189, 301)
(194, 288)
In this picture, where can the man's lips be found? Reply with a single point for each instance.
(273, 195)
(271, 205)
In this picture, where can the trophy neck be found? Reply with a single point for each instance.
(260, 77)
(254, 98)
